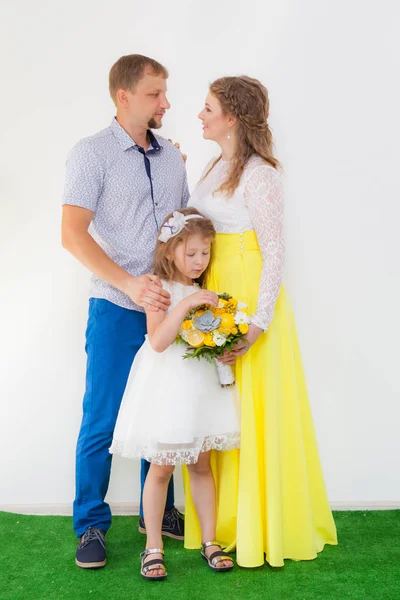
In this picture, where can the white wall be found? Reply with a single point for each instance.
(332, 71)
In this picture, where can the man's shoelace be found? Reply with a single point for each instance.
(94, 534)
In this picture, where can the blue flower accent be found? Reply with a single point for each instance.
(207, 322)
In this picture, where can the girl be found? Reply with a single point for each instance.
(175, 410)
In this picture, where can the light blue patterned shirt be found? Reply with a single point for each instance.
(130, 193)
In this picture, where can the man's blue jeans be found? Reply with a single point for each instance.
(113, 337)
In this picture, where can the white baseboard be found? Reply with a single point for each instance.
(367, 505)
(132, 508)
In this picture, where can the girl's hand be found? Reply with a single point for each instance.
(199, 298)
(229, 358)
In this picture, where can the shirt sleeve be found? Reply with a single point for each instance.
(263, 194)
(185, 191)
(84, 177)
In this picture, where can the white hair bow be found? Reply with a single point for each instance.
(174, 225)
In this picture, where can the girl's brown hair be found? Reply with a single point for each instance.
(247, 100)
(164, 267)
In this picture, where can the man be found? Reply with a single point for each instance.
(120, 184)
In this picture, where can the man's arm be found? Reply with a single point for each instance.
(145, 290)
(83, 186)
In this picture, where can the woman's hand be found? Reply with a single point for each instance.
(229, 358)
(199, 298)
(177, 145)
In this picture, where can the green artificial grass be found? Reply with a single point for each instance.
(37, 562)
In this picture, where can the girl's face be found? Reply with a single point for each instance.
(192, 257)
(215, 122)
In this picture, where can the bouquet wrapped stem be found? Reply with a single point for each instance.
(225, 374)
(209, 332)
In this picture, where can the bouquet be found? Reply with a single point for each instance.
(209, 331)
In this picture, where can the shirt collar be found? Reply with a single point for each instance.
(126, 141)
(155, 146)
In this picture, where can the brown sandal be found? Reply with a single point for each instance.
(150, 565)
(215, 557)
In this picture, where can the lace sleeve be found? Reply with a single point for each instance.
(263, 195)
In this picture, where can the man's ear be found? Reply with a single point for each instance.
(122, 97)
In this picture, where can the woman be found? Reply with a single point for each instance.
(271, 494)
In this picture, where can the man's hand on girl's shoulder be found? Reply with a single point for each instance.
(147, 291)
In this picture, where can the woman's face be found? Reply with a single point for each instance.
(215, 122)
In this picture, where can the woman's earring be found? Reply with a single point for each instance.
(229, 135)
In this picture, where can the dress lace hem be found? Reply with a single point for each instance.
(173, 454)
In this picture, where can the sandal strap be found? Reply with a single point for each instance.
(155, 561)
(147, 566)
(217, 557)
(207, 544)
(151, 551)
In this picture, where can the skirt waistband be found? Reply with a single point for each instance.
(236, 242)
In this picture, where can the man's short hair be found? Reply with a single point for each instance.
(129, 70)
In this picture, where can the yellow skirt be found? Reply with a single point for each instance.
(271, 497)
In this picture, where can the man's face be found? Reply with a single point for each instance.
(147, 103)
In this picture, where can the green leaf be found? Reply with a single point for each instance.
(224, 296)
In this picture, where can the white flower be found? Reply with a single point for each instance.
(241, 318)
(184, 334)
(241, 305)
(172, 227)
(175, 224)
(219, 339)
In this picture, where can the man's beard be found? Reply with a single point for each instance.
(153, 124)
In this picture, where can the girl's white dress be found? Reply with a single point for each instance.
(174, 408)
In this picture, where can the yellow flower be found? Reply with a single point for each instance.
(243, 328)
(227, 321)
(187, 324)
(208, 340)
(198, 313)
(195, 338)
(234, 330)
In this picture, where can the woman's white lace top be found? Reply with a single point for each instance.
(257, 204)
